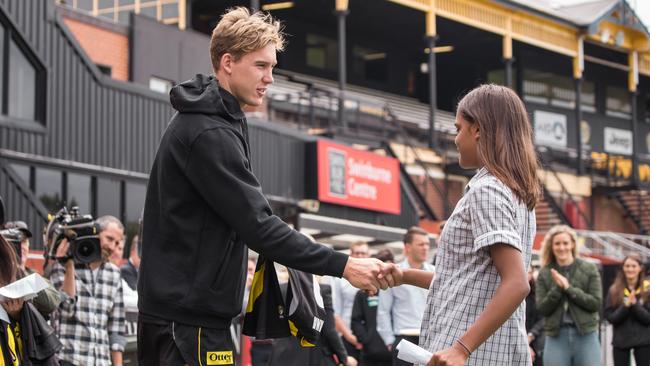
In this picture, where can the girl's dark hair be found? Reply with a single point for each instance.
(505, 146)
(8, 263)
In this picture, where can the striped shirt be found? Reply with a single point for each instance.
(92, 324)
(466, 278)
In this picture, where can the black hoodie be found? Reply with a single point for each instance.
(203, 206)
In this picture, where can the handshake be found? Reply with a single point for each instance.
(371, 274)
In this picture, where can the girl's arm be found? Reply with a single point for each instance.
(417, 277)
(512, 290)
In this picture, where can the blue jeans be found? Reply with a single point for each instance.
(569, 348)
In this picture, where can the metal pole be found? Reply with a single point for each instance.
(578, 86)
(431, 43)
(255, 5)
(635, 146)
(508, 70)
(341, 14)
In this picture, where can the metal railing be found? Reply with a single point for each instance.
(558, 204)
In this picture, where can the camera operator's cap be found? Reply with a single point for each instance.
(20, 225)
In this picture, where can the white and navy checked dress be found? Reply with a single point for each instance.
(466, 279)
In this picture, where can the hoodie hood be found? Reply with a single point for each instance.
(202, 94)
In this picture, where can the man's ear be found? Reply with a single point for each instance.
(226, 62)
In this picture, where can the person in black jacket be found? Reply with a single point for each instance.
(204, 206)
(628, 309)
(534, 323)
(364, 324)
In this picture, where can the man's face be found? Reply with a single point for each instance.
(250, 76)
(360, 251)
(109, 238)
(118, 253)
(250, 273)
(418, 249)
(24, 252)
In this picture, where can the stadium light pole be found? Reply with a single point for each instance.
(341, 13)
(431, 38)
(578, 67)
(633, 81)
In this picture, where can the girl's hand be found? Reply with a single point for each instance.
(452, 356)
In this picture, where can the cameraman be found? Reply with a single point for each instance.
(91, 320)
(47, 300)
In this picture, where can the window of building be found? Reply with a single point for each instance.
(22, 84)
(78, 191)
(618, 102)
(108, 197)
(22, 93)
(135, 194)
(558, 91)
(646, 109)
(105, 69)
(322, 52)
(23, 171)
(370, 64)
(166, 11)
(498, 76)
(160, 85)
(86, 5)
(49, 184)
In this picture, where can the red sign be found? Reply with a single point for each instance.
(356, 178)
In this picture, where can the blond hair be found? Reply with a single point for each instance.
(240, 32)
(547, 245)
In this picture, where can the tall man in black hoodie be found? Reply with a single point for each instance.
(204, 206)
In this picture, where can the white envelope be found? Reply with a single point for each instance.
(409, 352)
(25, 288)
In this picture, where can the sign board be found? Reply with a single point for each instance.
(357, 178)
(550, 129)
(618, 141)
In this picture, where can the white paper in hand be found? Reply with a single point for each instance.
(26, 288)
(409, 352)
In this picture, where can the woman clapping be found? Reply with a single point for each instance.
(628, 309)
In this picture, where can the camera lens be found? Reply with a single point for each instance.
(87, 250)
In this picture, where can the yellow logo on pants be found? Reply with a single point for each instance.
(220, 358)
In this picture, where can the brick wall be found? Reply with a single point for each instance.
(103, 46)
(609, 216)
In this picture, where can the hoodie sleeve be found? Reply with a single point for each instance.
(217, 168)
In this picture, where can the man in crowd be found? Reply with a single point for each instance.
(91, 317)
(204, 206)
(400, 311)
(130, 268)
(343, 294)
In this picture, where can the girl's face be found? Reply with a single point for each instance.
(466, 140)
(562, 246)
(631, 269)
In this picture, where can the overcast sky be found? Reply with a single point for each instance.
(642, 8)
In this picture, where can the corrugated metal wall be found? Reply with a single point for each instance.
(23, 205)
(90, 118)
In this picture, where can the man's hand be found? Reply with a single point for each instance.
(369, 274)
(62, 249)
